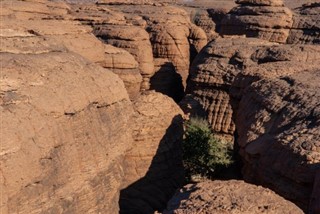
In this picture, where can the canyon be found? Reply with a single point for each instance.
(94, 95)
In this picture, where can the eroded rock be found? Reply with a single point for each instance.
(306, 25)
(228, 197)
(153, 167)
(268, 20)
(271, 88)
(65, 121)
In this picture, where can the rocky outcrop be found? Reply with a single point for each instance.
(202, 19)
(175, 38)
(123, 63)
(69, 122)
(65, 121)
(45, 19)
(153, 167)
(133, 39)
(278, 123)
(263, 83)
(271, 21)
(268, 20)
(306, 25)
(151, 37)
(228, 197)
(76, 37)
(211, 76)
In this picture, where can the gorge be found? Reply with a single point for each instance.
(94, 95)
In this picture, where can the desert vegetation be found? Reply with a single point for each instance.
(204, 155)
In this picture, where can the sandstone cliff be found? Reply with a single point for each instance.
(69, 123)
(161, 38)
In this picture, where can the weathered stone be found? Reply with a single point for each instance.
(271, 23)
(228, 197)
(306, 25)
(153, 167)
(273, 100)
(123, 63)
(212, 74)
(55, 156)
(133, 39)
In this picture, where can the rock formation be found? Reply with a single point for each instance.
(211, 76)
(153, 167)
(202, 19)
(69, 122)
(161, 40)
(81, 133)
(228, 197)
(135, 40)
(268, 20)
(264, 83)
(123, 63)
(306, 25)
(60, 153)
(278, 123)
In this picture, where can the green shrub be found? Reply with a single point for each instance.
(203, 154)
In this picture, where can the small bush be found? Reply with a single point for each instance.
(203, 154)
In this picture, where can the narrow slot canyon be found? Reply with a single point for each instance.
(96, 98)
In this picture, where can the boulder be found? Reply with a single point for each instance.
(228, 197)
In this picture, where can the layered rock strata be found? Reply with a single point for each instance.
(211, 76)
(153, 167)
(271, 88)
(122, 63)
(151, 37)
(268, 20)
(65, 121)
(228, 197)
(68, 121)
(46, 19)
(278, 120)
(135, 40)
(306, 25)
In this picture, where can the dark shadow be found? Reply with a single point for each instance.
(184, 194)
(193, 52)
(165, 175)
(233, 171)
(314, 205)
(167, 81)
(217, 15)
